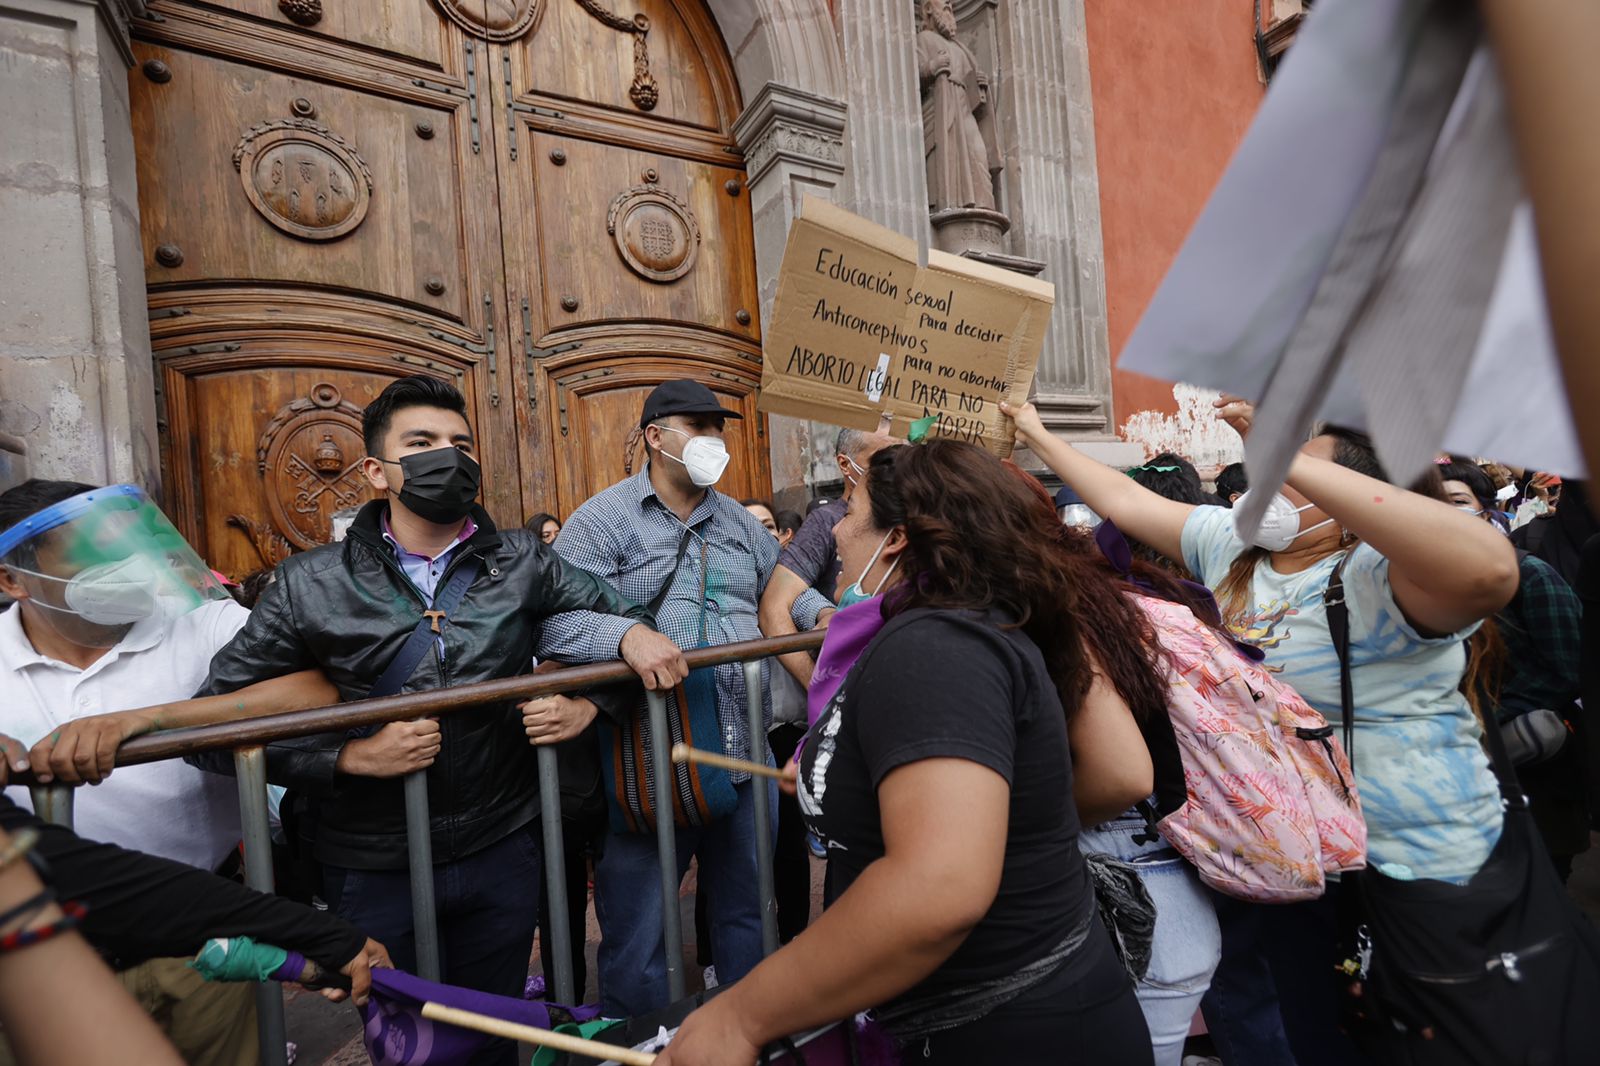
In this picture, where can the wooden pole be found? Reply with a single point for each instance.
(529, 1034)
(683, 753)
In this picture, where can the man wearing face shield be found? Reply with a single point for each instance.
(424, 593)
(667, 535)
(115, 611)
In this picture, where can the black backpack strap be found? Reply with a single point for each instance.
(1339, 630)
(445, 600)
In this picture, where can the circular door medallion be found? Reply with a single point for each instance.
(656, 233)
(303, 178)
(493, 20)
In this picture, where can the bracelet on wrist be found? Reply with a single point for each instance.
(28, 907)
(72, 913)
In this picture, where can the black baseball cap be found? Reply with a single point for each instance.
(682, 397)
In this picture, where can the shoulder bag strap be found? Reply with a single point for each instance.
(654, 606)
(1339, 630)
(445, 600)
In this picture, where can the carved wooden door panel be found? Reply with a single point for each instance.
(318, 216)
(629, 252)
(537, 199)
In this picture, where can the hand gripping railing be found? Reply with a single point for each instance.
(247, 739)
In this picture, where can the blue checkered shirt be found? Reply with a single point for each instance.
(628, 537)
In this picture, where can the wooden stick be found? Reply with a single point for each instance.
(529, 1034)
(684, 753)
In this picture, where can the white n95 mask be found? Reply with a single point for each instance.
(1280, 525)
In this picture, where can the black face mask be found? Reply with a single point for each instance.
(441, 484)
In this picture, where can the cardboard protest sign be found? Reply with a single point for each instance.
(858, 330)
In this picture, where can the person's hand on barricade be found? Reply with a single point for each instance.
(711, 1036)
(13, 757)
(372, 955)
(84, 751)
(397, 749)
(552, 719)
(1236, 411)
(658, 662)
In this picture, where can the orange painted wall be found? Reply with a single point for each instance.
(1175, 86)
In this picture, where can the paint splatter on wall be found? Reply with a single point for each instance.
(1193, 432)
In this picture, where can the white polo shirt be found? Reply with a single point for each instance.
(166, 808)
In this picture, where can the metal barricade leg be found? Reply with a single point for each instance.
(53, 803)
(250, 767)
(419, 849)
(760, 792)
(555, 875)
(666, 845)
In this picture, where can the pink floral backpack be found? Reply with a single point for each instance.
(1271, 805)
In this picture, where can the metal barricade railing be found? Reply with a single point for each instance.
(247, 739)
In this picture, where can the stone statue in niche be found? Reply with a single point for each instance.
(958, 129)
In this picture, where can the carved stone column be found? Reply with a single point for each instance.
(793, 144)
(886, 177)
(76, 379)
(1052, 193)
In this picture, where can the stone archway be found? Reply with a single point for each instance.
(791, 76)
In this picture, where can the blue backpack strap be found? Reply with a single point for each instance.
(416, 646)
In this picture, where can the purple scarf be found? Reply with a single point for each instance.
(850, 630)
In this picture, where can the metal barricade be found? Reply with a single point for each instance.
(247, 739)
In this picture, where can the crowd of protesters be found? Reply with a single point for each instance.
(980, 719)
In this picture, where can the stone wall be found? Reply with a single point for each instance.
(76, 386)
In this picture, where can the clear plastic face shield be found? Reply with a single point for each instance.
(101, 562)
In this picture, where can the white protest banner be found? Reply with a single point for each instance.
(859, 331)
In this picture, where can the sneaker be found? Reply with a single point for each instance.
(710, 977)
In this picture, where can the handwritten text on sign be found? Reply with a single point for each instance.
(858, 331)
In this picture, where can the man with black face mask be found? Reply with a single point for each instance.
(424, 568)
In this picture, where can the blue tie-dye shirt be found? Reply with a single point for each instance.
(1430, 800)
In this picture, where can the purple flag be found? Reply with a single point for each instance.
(396, 1033)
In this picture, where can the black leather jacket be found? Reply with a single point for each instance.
(347, 608)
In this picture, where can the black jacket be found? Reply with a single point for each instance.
(347, 608)
(143, 907)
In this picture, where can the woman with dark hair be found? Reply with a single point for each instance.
(1525, 671)
(1418, 577)
(545, 525)
(939, 773)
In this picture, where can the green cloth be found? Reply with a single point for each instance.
(549, 1056)
(919, 429)
(238, 959)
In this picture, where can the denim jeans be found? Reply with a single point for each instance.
(1275, 997)
(1187, 940)
(627, 900)
(488, 909)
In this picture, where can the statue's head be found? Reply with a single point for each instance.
(937, 16)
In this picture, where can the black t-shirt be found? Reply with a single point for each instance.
(945, 684)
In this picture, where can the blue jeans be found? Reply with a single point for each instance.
(488, 909)
(627, 901)
(1187, 940)
(1275, 997)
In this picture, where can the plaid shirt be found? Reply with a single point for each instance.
(1540, 628)
(627, 536)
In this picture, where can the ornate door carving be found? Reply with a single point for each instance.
(538, 199)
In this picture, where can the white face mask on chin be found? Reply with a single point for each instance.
(1280, 525)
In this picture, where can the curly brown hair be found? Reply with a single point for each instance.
(981, 539)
